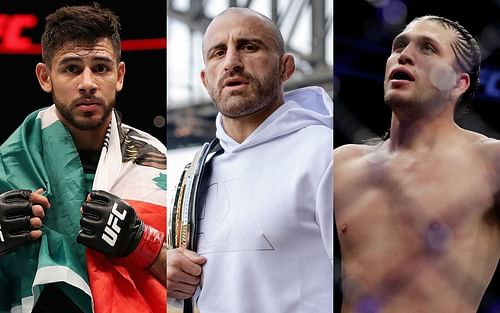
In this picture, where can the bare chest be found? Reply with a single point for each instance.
(435, 187)
(404, 222)
(404, 196)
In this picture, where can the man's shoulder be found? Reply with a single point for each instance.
(353, 151)
(486, 150)
(484, 143)
(489, 147)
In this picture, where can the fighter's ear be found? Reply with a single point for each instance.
(121, 76)
(203, 77)
(287, 66)
(462, 83)
(43, 74)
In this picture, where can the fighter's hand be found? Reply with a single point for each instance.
(21, 214)
(183, 272)
(110, 225)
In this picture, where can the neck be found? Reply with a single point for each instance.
(240, 128)
(88, 139)
(422, 133)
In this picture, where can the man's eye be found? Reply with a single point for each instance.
(428, 48)
(219, 53)
(101, 68)
(398, 46)
(71, 69)
(249, 47)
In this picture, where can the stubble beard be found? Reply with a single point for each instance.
(85, 123)
(406, 106)
(413, 107)
(260, 94)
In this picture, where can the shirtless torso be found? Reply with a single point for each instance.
(418, 231)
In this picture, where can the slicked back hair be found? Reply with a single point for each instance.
(79, 25)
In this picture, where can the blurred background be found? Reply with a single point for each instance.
(307, 28)
(364, 30)
(143, 98)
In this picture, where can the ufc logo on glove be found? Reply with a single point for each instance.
(101, 214)
(112, 229)
(111, 226)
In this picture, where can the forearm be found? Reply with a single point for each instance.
(159, 266)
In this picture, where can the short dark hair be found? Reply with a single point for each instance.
(467, 53)
(79, 25)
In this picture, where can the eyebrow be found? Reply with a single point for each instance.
(419, 38)
(239, 42)
(250, 40)
(71, 59)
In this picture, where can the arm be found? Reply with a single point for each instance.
(159, 267)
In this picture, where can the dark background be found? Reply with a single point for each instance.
(143, 97)
(362, 42)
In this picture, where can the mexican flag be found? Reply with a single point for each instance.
(132, 165)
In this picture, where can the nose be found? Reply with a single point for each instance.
(87, 84)
(406, 56)
(232, 61)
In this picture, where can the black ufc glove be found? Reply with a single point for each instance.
(110, 225)
(15, 214)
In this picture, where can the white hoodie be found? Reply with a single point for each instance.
(266, 223)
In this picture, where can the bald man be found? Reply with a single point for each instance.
(265, 240)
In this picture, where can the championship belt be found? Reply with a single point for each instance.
(183, 226)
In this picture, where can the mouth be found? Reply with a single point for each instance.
(235, 82)
(401, 74)
(87, 106)
(87, 102)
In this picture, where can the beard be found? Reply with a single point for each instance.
(87, 121)
(259, 94)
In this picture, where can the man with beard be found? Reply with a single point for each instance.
(417, 215)
(82, 209)
(265, 239)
